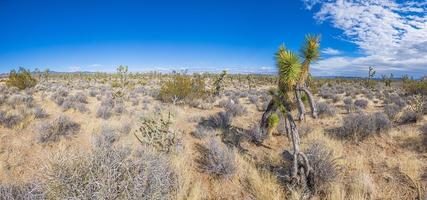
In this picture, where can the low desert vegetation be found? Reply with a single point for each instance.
(179, 135)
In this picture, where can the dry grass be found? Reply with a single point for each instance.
(391, 165)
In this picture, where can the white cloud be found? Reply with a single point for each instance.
(389, 34)
(74, 68)
(331, 51)
(95, 65)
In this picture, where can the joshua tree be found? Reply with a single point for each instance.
(122, 71)
(387, 79)
(310, 53)
(290, 70)
(371, 74)
(218, 83)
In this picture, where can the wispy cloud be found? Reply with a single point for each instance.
(74, 68)
(96, 65)
(391, 35)
(331, 51)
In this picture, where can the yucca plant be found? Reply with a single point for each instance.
(310, 53)
(292, 79)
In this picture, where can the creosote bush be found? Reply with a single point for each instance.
(358, 126)
(21, 79)
(182, 88)
(215, 159)
(60, 127)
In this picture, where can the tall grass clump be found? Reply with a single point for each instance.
(21, 79)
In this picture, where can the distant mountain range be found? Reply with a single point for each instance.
(3, 75)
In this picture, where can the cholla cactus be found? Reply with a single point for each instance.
(156, 134)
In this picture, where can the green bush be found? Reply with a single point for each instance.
(182, 88)
(415, 87)
(21, 79)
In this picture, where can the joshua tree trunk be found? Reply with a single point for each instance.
(311, 101)
(301, 173)
(271, 108)
(300, 104)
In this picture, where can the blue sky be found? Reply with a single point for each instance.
(240, 36)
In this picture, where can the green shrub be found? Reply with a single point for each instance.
(415, 87)
(21, 79)
(182, 88)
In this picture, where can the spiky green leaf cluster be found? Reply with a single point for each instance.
(310, 50)
(289, 68)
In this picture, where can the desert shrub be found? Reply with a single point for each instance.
(126, 128)
(182, 88)
(391, 110)
(415, 86)
(21, 79)
(59, 96)
(255, 134)
(16, 99)
(423, 130)
(253, 99)
(410, 117)
(39, 113)
(93, 92)
(221, 120)
(80, 97)
(225, 103)
(359, 125)
(203, 132)
(335, 98)
(10, 120)
(119, 108)
(215, 159)
(111, 173)
(305, 129)
(134, 101)
(103, 112)
(325, 166)
(236, 109)
(397, 100)
(29, 191)
(76, 102)
(106, 137)
(325, 110)
(108, 102)
(361, 103)
(60, 127)
(348, 104)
